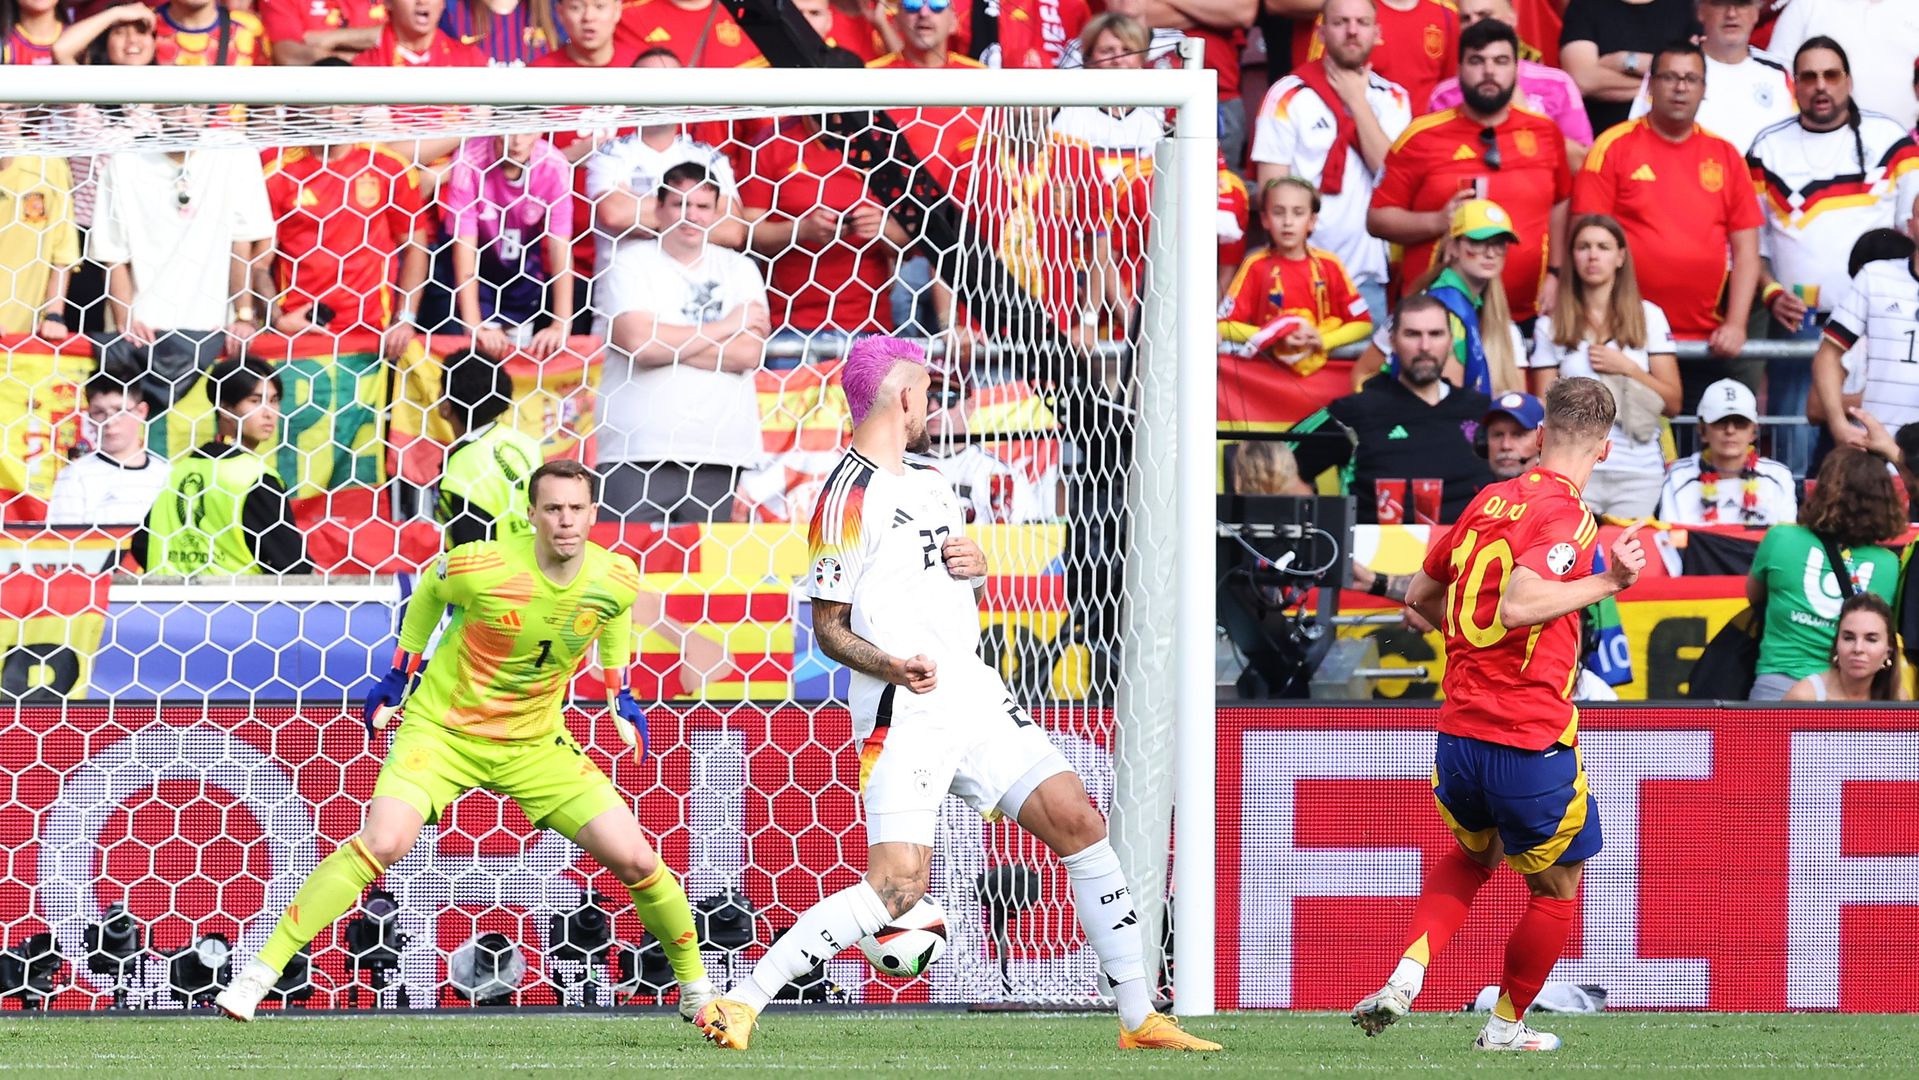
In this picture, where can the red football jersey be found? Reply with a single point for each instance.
(339, 224)
(841, 286)
(293, 20)
(702, 37)
(1512, 687)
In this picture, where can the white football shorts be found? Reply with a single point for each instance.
(971, 740)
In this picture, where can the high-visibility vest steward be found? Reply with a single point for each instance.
(224, 511)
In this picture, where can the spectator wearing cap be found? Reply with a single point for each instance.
(1484, 149)
(1511, 430)
(1602, 329)
(1727, 482)
(1408, 423)
(1468, 279)
(1664, 176)
(1331, 123)
(1747, 89)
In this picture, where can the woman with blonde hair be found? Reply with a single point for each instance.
(1865, 657)
(1607, 331)
(1465, 279)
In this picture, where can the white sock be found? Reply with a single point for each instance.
(1105, 909)
(1500, 1029)
(1408, 977)
(827, 927)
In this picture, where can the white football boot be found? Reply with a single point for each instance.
(243, 994)
(1516, 1037)
(1377, 1013)
(695, 994)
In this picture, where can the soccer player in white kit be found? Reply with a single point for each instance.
(895, 585)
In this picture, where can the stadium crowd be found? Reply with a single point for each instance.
(1627, 189)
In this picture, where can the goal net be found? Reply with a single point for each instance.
(200, 583)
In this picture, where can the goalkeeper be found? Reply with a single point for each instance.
(486, 713)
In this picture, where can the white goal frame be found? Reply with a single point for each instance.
(1169, 625)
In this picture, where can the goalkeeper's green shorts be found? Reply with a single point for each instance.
(555, 783)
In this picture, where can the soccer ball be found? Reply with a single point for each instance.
(909, 944)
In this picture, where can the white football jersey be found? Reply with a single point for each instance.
(1821, 190)
(875, 544)
(1881, 309)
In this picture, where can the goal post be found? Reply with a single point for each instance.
(1163, 701)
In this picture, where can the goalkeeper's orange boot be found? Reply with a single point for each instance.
(1161, 1032)
(726, 1023)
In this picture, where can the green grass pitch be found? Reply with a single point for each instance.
(835, 1042)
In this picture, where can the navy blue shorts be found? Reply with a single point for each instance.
(1536, 801)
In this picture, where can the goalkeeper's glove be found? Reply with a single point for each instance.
(627, 714)
(387, 694)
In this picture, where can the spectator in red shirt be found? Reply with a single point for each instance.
(1221, 25)
(413, 38)
(942, 136)
(1484, 149)
(343, 215)
(303, 31)
(1663, 176)
(830, 245)
(700, 32)
(203, 33)
(1026, 33)
(31, 31)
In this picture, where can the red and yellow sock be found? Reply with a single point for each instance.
(1444, 901)
(1531, 953)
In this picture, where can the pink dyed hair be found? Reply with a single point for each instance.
(867, 364)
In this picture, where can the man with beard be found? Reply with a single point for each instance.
(1408, 423)
(1331, 122)
(1664, 176)
(1483, 149)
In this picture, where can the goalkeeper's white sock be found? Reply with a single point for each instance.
(827, 927)
(1106, 916)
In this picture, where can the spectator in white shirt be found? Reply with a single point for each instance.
(1727, 482)
(623, 175)
(1601, 328)
(1747, 89)
(176, 230)
(689, 330)
(116, 483)
(1298, 128)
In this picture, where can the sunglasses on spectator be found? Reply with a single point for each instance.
(914, 7)
(1489, 138)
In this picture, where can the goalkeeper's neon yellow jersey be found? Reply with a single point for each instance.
(516, 640)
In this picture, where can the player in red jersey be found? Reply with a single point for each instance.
(1507, 584)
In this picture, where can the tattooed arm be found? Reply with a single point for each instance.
(833, 626)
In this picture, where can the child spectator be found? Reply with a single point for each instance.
(413, 38)
(1292, 304)
(116, 483)
(509, 208)
(224, 510)
(203, 33)
(512, 35)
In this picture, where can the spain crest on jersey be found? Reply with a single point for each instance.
(1526, 142)
(366, 191)
(1435, 40)
(1712, 175)
(33, 208)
